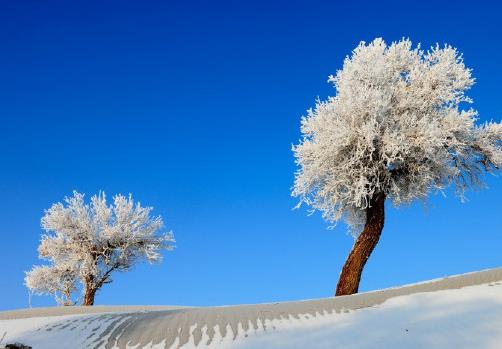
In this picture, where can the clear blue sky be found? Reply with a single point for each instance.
(193, 107)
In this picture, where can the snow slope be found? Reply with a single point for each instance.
(458, 312)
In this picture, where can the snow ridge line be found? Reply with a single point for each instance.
(177, 327)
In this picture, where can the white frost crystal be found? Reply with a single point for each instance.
(397, 125)
(87, 242)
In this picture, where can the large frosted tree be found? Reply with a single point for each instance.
(397, 129)
(85, 243)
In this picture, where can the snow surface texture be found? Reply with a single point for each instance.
(458, 312)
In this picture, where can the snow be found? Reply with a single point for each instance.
(465, 318)
(416, 316)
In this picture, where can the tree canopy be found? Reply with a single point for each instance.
(86, 243)
(399, 125)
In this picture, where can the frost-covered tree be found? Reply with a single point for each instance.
(58, 281)
(86, 242)
(397, 129)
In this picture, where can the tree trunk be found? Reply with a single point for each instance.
(90, 291)
(364, 245)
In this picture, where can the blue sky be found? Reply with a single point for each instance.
(193, 107)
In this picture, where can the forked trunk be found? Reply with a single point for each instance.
(67, 296)
(364, 245)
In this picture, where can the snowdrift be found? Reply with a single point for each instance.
(463, 311)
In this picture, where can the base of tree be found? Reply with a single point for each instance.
(364, 245)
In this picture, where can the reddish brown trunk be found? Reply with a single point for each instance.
(90, 291)
(364, 245)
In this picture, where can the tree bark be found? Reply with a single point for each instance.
(364, 245)
(90, 291)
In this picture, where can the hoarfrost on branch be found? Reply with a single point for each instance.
(397, 125)
(86, 243)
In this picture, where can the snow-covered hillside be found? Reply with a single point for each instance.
(458, 312)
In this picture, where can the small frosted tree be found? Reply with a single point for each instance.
(396, 129)
(86, 243)
(58, 281)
